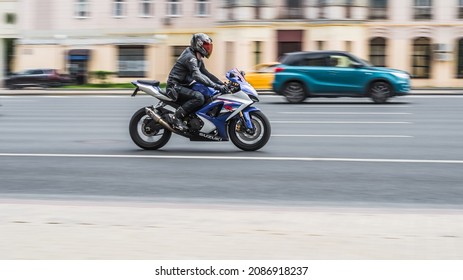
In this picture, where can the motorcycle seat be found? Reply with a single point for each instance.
(149, 82)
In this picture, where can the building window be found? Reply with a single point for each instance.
(460, 59)
(119, 8)
(202, 7)
(81, 9)
(257, 52)
(131, 61)
(460, 9)
(146, 8)
(423, 9)
(294, 10)
(378, 51)
(258, 4)
(378, 9)
(174, 8)
(230, 3)
(421, 60)
(10, 18)
(321, 9)
(349, 5)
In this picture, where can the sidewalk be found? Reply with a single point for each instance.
(46, 229)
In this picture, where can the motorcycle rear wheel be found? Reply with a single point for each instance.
(145, 133)
(247, 141)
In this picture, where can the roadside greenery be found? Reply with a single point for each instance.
(105, 86)
(102, 86)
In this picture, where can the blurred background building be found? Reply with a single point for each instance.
(142, 38)
(8, 34)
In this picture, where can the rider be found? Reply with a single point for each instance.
(188, 69)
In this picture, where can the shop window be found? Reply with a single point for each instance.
(378, 51)
(460, 59)
(421, 58)
(289, 41)
(132, 62)
(257, 52)
(176, 52)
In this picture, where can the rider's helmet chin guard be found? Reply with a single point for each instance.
(202, 43)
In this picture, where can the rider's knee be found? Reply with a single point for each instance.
(199, 98)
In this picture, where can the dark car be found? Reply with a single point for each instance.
(336, 74)
(37, 78)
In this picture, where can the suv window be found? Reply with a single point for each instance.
(305, 59)
(315, 61)
(339, 61)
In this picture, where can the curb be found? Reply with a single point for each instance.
(118, 91)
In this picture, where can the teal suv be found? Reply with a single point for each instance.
(336, 74)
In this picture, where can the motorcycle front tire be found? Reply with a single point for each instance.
(246, 141)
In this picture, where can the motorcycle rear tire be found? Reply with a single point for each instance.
(135, 131)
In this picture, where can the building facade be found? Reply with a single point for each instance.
(8, 34)
(142, 38)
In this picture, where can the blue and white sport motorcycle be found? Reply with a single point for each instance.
(224, 117)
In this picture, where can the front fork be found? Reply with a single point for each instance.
(247, 121)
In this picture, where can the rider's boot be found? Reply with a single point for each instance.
(177, 119)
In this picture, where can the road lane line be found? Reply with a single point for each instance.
(342, 135)
(345, 113)
(339, 122)
(308, 159)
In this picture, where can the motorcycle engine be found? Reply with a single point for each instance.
(195, 123)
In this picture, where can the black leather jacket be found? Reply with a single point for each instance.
(188, 68)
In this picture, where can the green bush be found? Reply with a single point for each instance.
(101, 75)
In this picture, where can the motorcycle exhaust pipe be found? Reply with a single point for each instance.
(158, 119)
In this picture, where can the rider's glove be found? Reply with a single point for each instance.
(222, 88)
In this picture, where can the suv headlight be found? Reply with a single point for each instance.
(401, 75)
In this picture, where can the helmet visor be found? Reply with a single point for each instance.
(208, 47)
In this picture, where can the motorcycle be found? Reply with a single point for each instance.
(223, 117)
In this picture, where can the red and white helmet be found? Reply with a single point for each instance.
(202, 43)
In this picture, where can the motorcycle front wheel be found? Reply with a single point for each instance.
(146, 133)
(246, 140)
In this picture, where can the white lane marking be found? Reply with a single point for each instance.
(338, 122)
(378, 160)
(342, 135)
(345, 113)
(369, 106)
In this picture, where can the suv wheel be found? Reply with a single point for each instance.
(380, 92)
(294, 92)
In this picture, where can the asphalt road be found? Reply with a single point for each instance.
(338, 152)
